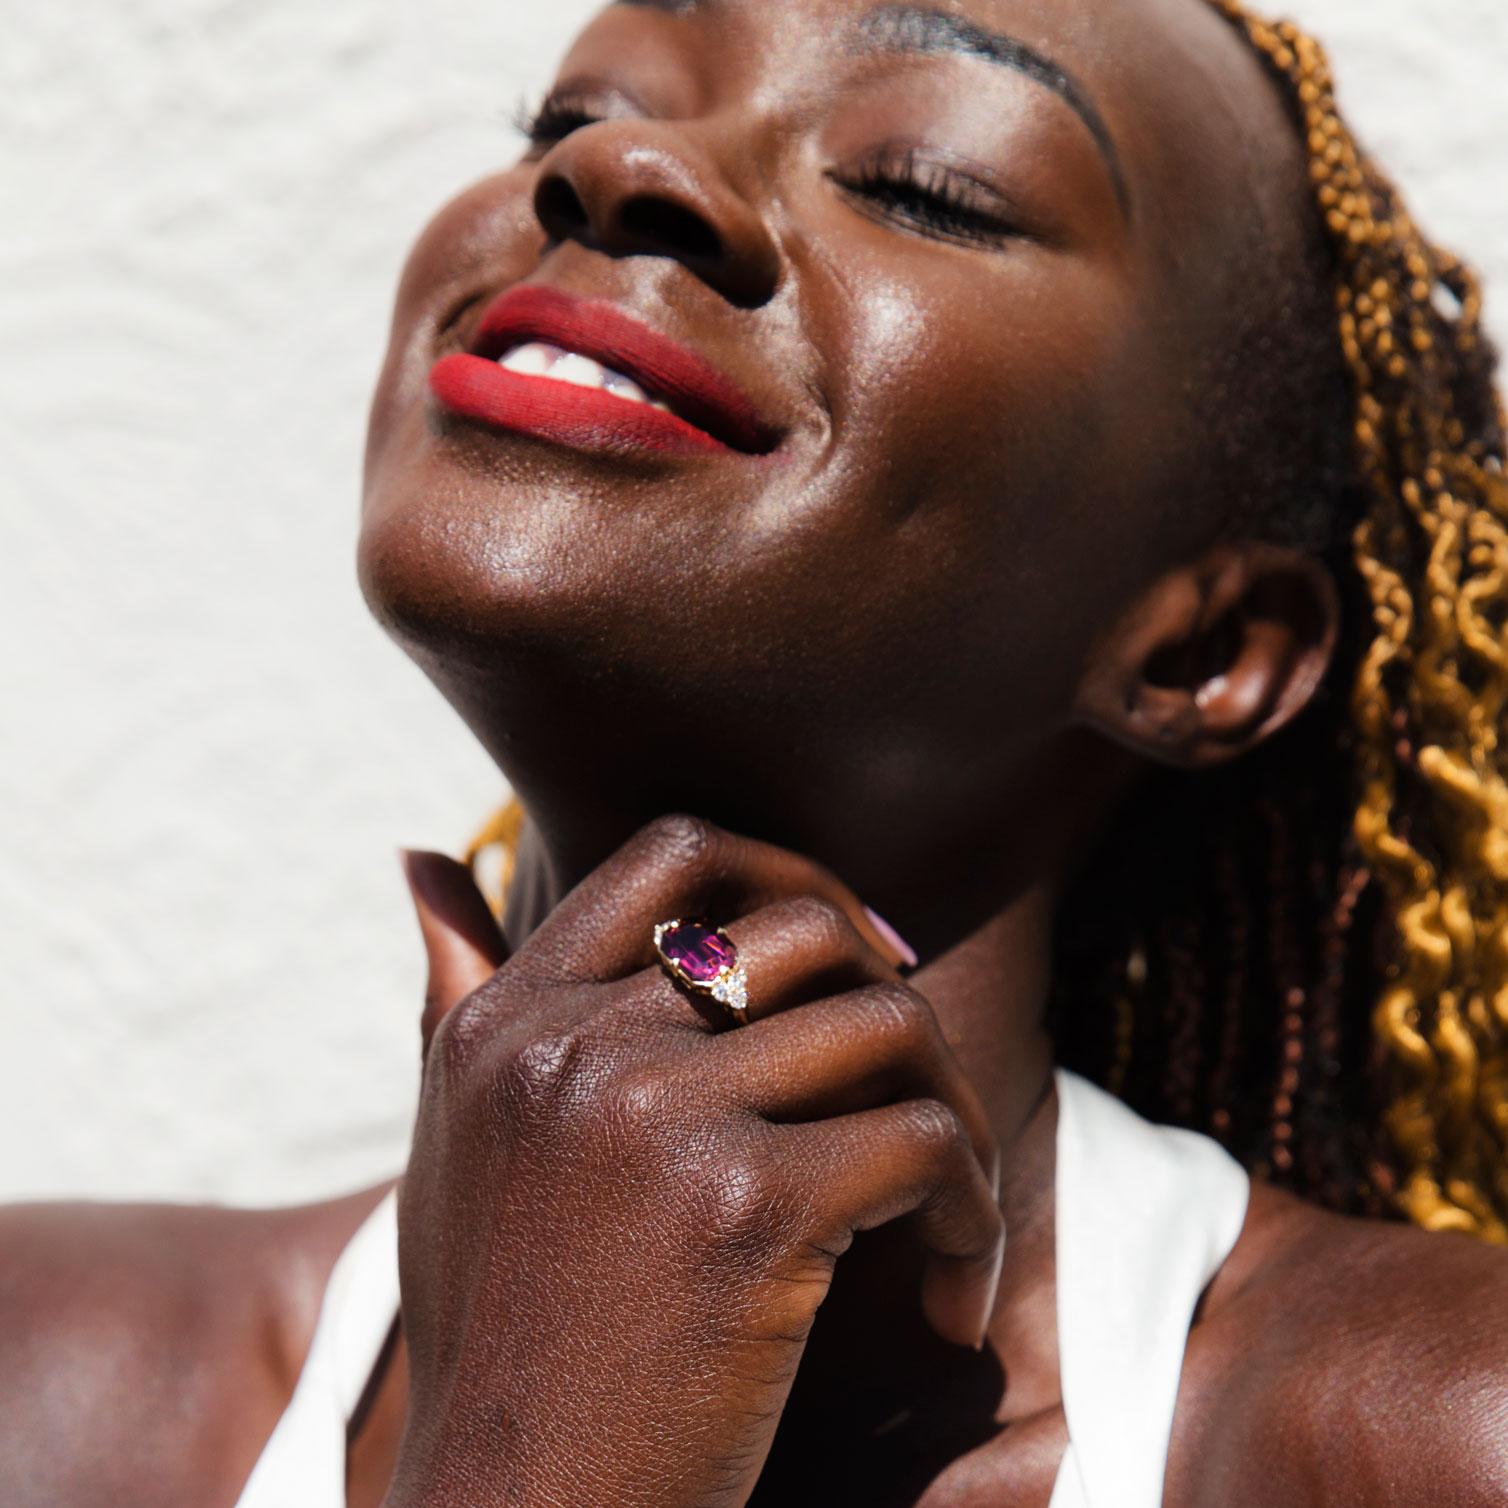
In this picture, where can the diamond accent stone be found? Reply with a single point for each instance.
(732, 990)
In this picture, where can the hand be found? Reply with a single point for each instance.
(619, 1217)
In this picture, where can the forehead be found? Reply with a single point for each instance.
(1114, 41)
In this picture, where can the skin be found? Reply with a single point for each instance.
(978, 591)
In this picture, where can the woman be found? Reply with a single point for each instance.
(973, 520)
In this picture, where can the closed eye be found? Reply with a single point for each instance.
(554, 118)
(929, 196)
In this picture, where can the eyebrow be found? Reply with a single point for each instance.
(907, 28)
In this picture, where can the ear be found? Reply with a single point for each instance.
(1215, 656)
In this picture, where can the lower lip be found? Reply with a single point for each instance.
(476, 388)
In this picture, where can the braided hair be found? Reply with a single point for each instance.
(1308, 957)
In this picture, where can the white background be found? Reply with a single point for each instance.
(209, 979)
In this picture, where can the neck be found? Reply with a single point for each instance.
(984, 937)
(972, 880)
(973, 885)
(946, 851)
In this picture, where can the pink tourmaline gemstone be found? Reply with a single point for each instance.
(697, 951)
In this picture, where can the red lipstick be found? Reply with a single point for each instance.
(711, 414)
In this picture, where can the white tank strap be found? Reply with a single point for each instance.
(1145, 1216)
(304, 1462)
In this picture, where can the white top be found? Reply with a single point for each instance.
(1145, 1216)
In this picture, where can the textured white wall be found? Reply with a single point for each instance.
(209, 980)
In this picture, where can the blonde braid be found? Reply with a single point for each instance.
(1429, 694)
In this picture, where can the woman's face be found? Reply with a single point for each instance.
(965, 263)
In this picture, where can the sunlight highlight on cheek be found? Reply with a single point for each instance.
(891, 320)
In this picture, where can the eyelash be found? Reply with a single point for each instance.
(925, 193)
(553, 119)
(896, 182)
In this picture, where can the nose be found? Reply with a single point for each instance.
(633, 188)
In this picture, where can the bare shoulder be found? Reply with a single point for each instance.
(146, 1350)
(1347, 1361)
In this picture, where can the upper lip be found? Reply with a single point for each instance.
(691, 385)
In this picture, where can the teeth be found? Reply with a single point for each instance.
(623, 387)
(532, 360)
(581, 370)
(537, 358)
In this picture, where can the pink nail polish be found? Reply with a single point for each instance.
(894, 938)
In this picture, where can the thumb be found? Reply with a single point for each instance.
(462, 939)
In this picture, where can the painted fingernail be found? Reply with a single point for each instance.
(894, 938)
(423, 881)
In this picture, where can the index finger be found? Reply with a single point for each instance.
(680, 866)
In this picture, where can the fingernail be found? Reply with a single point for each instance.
(894, 938)
(984, 1323)
(420, 880)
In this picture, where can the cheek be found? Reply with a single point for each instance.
(1010, 375)
(483, 237)
(985, 413)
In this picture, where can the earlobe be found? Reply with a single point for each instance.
(1215, 656)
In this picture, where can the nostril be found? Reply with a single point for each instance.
(560, 209)
(660, 222)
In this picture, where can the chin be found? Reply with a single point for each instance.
(485, 564)
(452, 607)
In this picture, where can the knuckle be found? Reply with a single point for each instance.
(605, 1072)
(457, 1038)
(738, 1202)
(678, 840)
(900, 1010)
(558, 1069)
(820, 919)
(736, 1198)
(939, 1127)
(638, 1101)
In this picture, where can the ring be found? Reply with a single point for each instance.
(704, 959)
